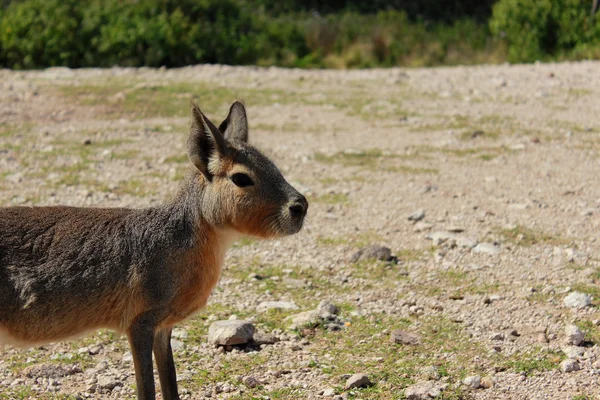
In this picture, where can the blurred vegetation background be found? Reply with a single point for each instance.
(294, 33)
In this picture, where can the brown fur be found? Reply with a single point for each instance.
(65, 271)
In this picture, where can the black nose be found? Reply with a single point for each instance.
(299, 207)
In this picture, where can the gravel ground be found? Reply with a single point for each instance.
(481, 181)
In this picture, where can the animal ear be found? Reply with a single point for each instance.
(235, 126)
(205, 142)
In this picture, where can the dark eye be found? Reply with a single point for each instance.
(241, 180)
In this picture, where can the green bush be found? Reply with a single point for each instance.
(41, 33)
(356, 34)
(36, 33)
(539, 29)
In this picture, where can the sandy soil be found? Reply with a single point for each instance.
(502, 160)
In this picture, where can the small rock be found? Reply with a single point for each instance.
(328, 307)
(276, 305)
(573, 352)
(422, 226)
(227, 333)
(574, 335)
(570, 366)
(261, 337)
(107, 382)
(329, 392)
(431, 372)
(497, 336)
(402, 337)
(440, 237)
(473, 381)
(177, 345)
(251, 382)
(358, 381)
(487, 248)
(127, 357)
(304, 319)
(577, 300)
(451, 239)
(372, 253)
(424, 390)
(417, 215)
(486, 382)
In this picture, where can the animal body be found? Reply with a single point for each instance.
(65, 271)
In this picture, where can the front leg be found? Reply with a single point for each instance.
(141, 341)
(163, 355)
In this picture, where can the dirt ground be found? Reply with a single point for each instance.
(496, 165)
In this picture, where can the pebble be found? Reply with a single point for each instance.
(328, 307)
(487, 248)
(261, 337)
(303, 319)
(422, 226)
(424, 390)
(431, 372)
(497, 336)
(473, 381)
(452, 239)
(417, 215)
(574, 335)
(486, 382)
(573, 352)
(577, 300)
(329, 392)
(570, 366)
(276, 305)
(107, 382)
(372, 253)
(177, 345)
(407, 338)
(358, 381)
(251, 382)
(230, 332)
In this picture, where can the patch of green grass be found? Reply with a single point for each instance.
(374, 159)
(367, 157)
(119, 98)
(579, 92)
(129, 154)
(407, 169)
(592, 290)
(526, 237)
(534, 360)
(180, 159)
(23, 392)
(485, 153)
(331, 198)
(356, 240)
(584, 397)
(243, 242)
(592, 331)
(332, 241)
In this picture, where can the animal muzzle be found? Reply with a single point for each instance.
(295, 213)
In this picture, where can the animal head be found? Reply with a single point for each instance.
(242, 188)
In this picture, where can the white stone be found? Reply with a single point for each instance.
(570, 366)
(230, 332)
(574, 335)
(487, 248)
(473, 381)
(276, 305)
(577, 300)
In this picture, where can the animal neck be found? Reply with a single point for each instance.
(202, 214)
